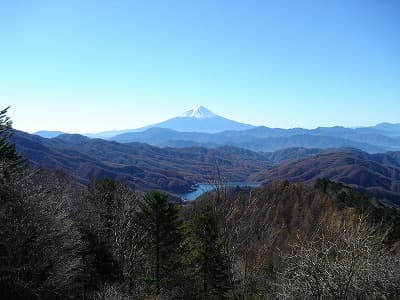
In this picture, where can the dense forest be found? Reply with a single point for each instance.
(63, 240)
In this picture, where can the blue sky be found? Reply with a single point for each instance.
(93, 65)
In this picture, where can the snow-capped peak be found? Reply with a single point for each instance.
(198, 112)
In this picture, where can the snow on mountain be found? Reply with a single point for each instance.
(199, 119)
(198, 112)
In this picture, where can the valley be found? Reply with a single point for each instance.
(201, 188)
(199, 146)
(177, 170)
(146, 167)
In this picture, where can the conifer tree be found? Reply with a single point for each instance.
(39, 244)
(10, 162)
(158, 219)
(204, 255)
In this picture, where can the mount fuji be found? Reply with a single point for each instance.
(199, 119)
(198, 112)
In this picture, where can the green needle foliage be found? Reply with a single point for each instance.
(39, 245)
(10, 162)
(205, 258)
(158, 219)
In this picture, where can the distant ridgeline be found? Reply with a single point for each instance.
(199, 127)
(176, 170)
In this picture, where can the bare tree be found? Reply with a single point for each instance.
(345, 261)
(126, 235)
(41, 244)
(249, 239)
(219, 184)
(110, 213)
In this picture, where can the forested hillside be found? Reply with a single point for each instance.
(62, 240)
(378, 174)
(176, 170)
(141, 165)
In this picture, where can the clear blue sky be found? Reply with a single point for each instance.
(93, 65)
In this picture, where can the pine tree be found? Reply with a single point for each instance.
(39, 244)
(10, 162)
(204, 255)
(158, 219)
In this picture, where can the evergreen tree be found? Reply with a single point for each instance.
(39, 244)
(205, 260)
(158, 219)
(10, 162)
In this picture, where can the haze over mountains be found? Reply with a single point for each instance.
(197, 119)
(199, 127)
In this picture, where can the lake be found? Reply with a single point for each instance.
(202, 188)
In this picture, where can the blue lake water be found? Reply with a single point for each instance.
(202, 188)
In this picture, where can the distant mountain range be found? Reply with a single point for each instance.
(48, 134)
(199, 127)
(176, 169)
(270, 139)
(198, 119)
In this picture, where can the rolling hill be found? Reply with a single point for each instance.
(48, 134)
(142, 165)
(378, 174)
(177, 169)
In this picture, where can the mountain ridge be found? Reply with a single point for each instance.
(378, 174)
(268, 139)
(137, 164)
(200, 127)
(177, 169)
